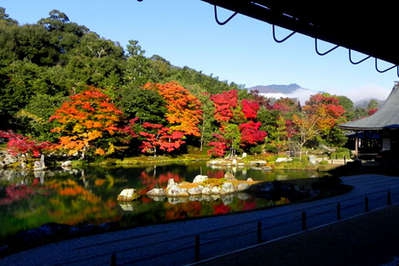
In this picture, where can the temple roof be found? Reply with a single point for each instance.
(386, 117)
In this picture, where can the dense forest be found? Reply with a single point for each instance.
(65, 90)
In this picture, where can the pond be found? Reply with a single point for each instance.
(85, 200)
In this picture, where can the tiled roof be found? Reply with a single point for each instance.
(386, 117)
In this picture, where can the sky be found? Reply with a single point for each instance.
(243, 51)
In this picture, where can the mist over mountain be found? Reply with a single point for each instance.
(275, 88)
(293, 91)
(296, 92)
(364, 103)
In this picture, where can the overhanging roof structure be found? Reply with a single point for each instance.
(387, 117)
(365, 27)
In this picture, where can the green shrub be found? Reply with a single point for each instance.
(341, 153)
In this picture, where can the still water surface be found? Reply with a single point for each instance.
(89, 196)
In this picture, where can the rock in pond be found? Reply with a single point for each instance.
(128, 194)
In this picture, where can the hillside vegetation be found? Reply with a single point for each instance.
(66, 91)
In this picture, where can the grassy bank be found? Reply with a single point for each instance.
(192, 158)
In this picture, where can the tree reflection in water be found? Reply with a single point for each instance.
(88, 197)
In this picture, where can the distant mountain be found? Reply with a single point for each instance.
(293, 91)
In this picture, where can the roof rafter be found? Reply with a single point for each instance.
(364, 27)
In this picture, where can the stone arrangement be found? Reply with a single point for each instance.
(200, 186)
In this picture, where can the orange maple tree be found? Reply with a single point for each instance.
(326, 108)
(87, 121)
(184, 111)
(319, 115)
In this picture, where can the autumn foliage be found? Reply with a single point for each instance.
(184, 109)
(237, 123)
(225, 103)
(84, 121)
(18, 144)
(319, 115)
(157, 137)
(326, 108)
(89, 123)
(250, 108)
(250, 133)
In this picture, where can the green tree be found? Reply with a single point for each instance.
(207, 127)
(162, 69)
(22, 81)
(279, 136)
(96, 61)
(146, 105)
(268, 118)
(359, 112)
(4, 17)
(349, 107)
(35, 116)
(137, 69)
(372, 106)
(231, 132)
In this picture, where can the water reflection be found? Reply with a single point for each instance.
(29, 199)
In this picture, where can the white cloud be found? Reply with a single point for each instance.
(365, 92)
(357, 94)
(301, 94)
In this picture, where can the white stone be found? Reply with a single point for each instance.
(227, 188)
(171, 182)
(174, 190)
(242, 186)
(128, 194)
(283, 159)
(215, 190)
(200, 179)
(207, 190)
(156, 192)
(195, 190)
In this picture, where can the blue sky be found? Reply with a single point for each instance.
(243, 51)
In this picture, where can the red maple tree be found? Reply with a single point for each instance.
(251, 134)
(219, 146)
(18, 144)
(158, 137)
(224, 103)
(250, 108)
